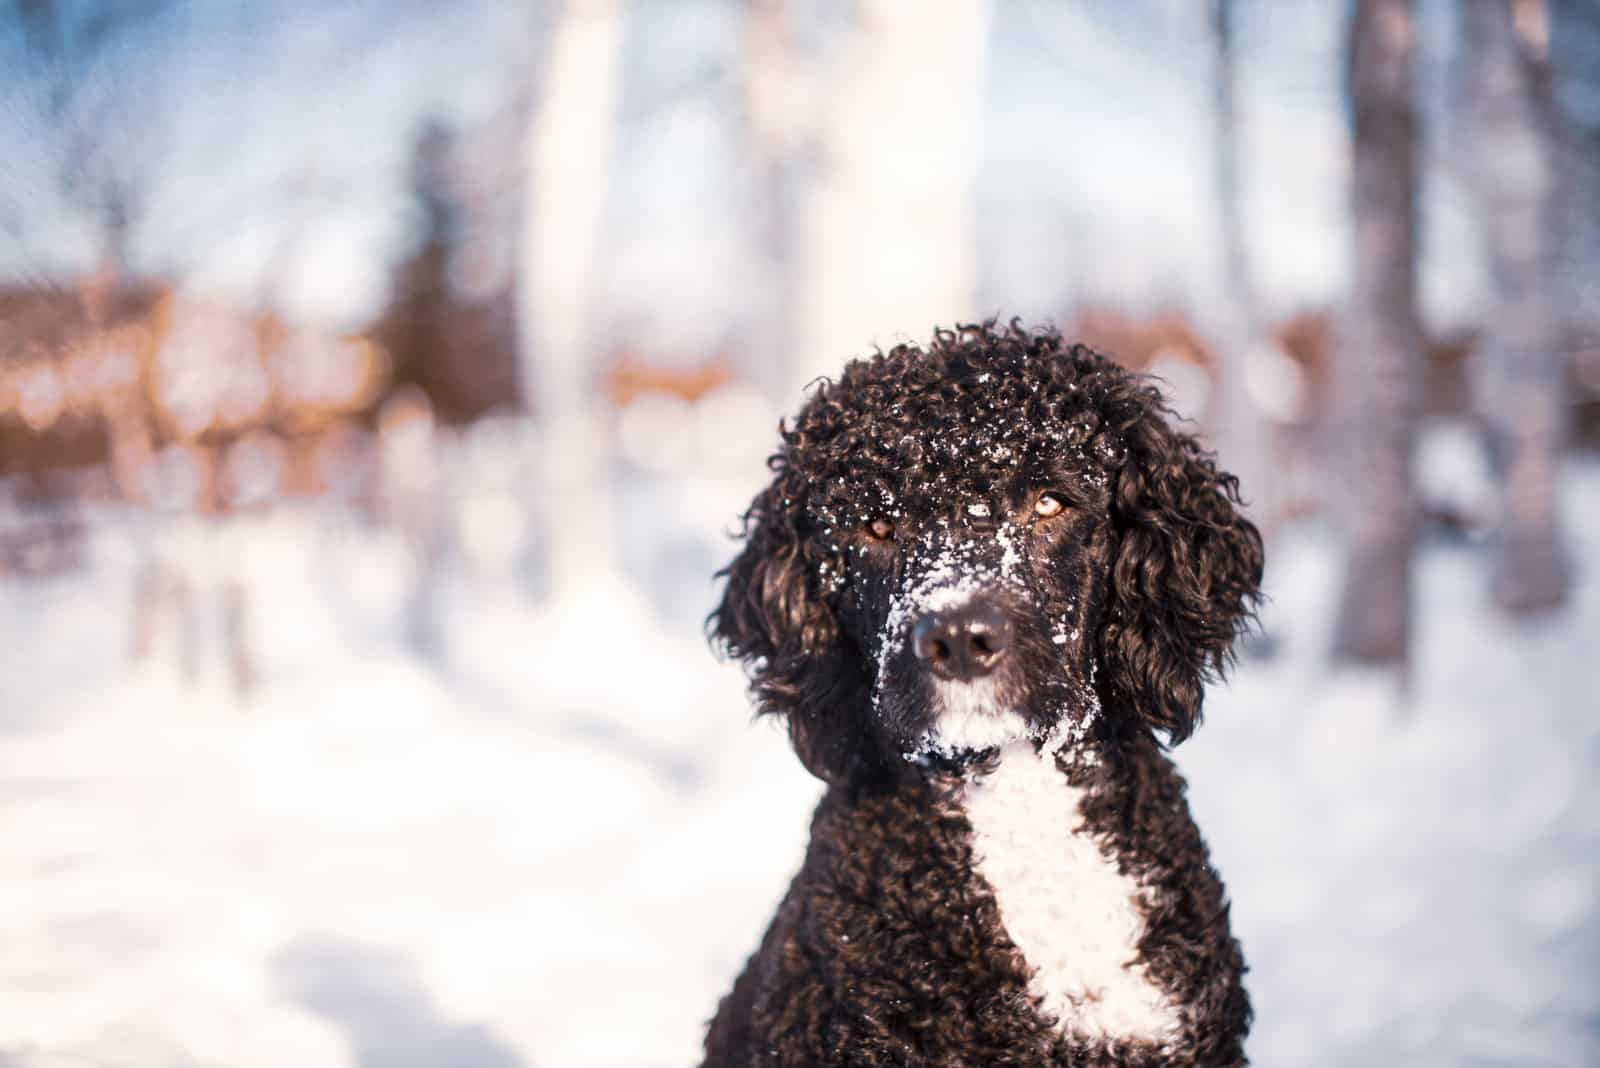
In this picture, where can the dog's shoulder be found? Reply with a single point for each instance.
(888, 949)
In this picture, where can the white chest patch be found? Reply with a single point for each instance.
(1063, 902)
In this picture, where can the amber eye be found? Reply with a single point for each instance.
(1049, 505)
(881, 529)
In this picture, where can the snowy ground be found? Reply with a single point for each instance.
(557, 849)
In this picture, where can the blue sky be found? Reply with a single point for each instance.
(1095, 181)
(251, 116)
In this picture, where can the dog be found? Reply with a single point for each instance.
(985, 590)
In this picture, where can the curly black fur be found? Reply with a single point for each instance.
(889, 948)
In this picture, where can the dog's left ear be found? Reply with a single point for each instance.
(1186, 574)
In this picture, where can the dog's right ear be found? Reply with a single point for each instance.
(773, 617)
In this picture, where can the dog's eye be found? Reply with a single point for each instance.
(1048, 505)
(881, 530)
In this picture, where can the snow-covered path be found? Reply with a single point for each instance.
(558, 851)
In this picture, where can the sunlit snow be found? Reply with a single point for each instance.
(555, 844)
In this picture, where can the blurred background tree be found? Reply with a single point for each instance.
(1515, 160)
(889, 241)
(569, 161)
(1380, 336)
(1239, 421)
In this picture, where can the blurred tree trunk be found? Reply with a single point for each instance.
(1380, 352)
(411, 487)
(1240, 430)
(569, 157)
(890, 241)
(779, 139)
(781, 88)
(1574, 72)
(1514, 167)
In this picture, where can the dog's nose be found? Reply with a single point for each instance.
(962, 643)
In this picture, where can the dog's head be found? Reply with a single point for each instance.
(1001, 537)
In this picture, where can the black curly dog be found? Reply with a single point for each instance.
(985, 579)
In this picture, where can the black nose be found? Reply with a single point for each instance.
(963, 643)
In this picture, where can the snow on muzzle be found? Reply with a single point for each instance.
(945, 646)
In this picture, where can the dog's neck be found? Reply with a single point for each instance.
(1076, 918)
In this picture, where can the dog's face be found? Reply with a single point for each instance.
(975, 621)
(1000, 538)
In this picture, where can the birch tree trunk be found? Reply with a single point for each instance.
(1380, 355)
(781, 134)
(569, 149)
(1520, 362)
(1240, 431)
(889, 247)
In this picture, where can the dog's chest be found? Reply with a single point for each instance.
(1073, 915)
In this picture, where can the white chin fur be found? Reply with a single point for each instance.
(970, 719)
